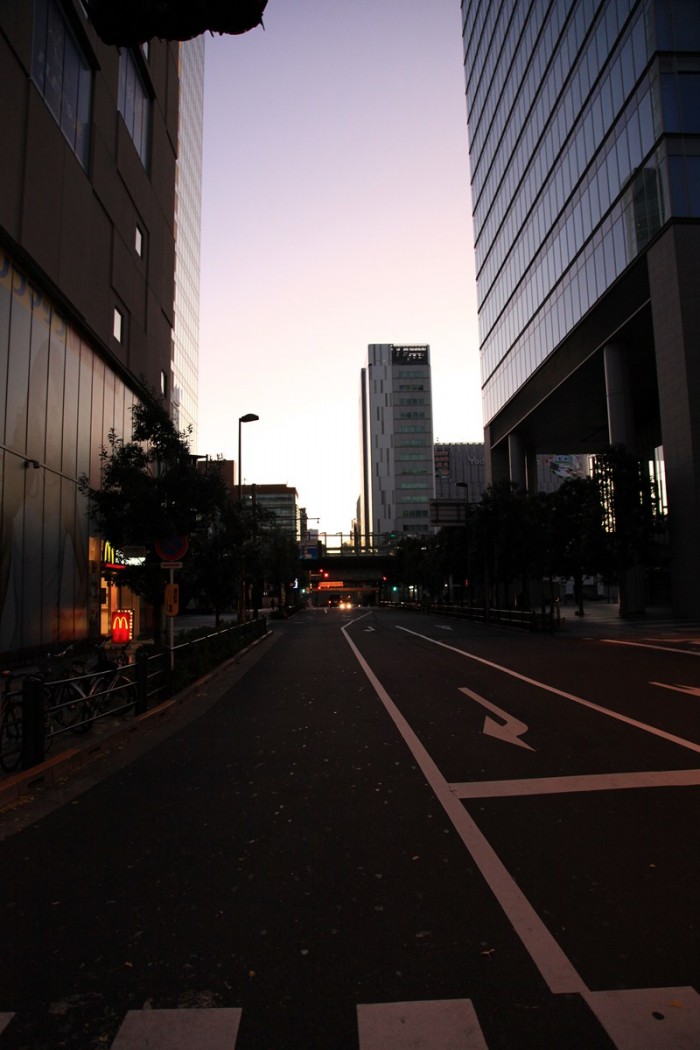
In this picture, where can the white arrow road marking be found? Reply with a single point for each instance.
(689, 744)
(368, 629)
(692, 690)
(512, 728)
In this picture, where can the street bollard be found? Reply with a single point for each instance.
(33, 722)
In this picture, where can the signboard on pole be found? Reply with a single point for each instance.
(172, 548)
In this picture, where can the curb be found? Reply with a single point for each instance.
(53, 770)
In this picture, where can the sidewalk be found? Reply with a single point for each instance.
(603, 618)
(70, 752)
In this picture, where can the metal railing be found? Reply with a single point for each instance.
(39, 711)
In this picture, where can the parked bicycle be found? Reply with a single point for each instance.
(85, 695)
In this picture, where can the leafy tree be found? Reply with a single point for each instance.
(627, 497)
(576, 537)
(150, 489)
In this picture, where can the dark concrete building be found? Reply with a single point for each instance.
(584, 128)
(88, 139)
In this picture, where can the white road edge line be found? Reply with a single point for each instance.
(584, 782)
(556, 969)
(689, 744)
(648, 645)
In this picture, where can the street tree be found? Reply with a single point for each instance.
(150, 489)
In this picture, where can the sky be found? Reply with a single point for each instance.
(336, 213)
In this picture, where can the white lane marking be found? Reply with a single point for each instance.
(443, 627)
(5, 1020)
(178, 1030)
(368, 629)
(555, 967)
(652, 1018)
(512, 728)
(447, 1024)
(691, 690)
(648, 645)
(689, 744)
(587, 782)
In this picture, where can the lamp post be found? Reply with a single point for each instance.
(250, 417)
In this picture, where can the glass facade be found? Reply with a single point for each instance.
(578, 156)
(59, 400)
(188, 208)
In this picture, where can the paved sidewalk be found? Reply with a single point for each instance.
(601, 618)
(70, 752)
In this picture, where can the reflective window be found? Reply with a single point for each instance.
(134, 104)
(62, 74)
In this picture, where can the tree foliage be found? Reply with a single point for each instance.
(150, 489)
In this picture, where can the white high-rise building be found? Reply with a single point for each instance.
(396, 413)
(188, 216)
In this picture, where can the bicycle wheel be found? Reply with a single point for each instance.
(121, 693)
(70, 708)
(11, 736)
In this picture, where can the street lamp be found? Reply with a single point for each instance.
(250, 417)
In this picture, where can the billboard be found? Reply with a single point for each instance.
(410, 355)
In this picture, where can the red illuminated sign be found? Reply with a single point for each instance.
(122, 626)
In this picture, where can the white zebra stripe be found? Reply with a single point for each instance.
(178, 1030)
(436, 1024)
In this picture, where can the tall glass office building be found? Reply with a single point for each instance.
(584, 129)
(188, 219)
(396, 434)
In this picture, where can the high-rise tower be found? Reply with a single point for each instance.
(584, 129)
(188, 224)
(397, 442)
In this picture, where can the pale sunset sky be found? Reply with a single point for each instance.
(336, 213)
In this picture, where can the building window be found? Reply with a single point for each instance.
(118, 326)
(62, 75)
(138, 242)
(164, 384)
(134, 104)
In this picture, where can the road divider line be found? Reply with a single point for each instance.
(587, 782)
(556, 969)
(649, 645)
(670, 737)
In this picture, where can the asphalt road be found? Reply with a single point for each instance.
(391, 831)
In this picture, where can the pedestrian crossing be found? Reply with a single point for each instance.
(653, 1018)
(446, 1024)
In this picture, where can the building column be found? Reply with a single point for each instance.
(619, 398)
(674, 278)
(517, 460)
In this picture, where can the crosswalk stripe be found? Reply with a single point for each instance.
(441, 1024)
(5, 1020)
(178, 1030)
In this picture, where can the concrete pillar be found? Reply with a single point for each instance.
(617, 389)
(674, 279)
(517, 463)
